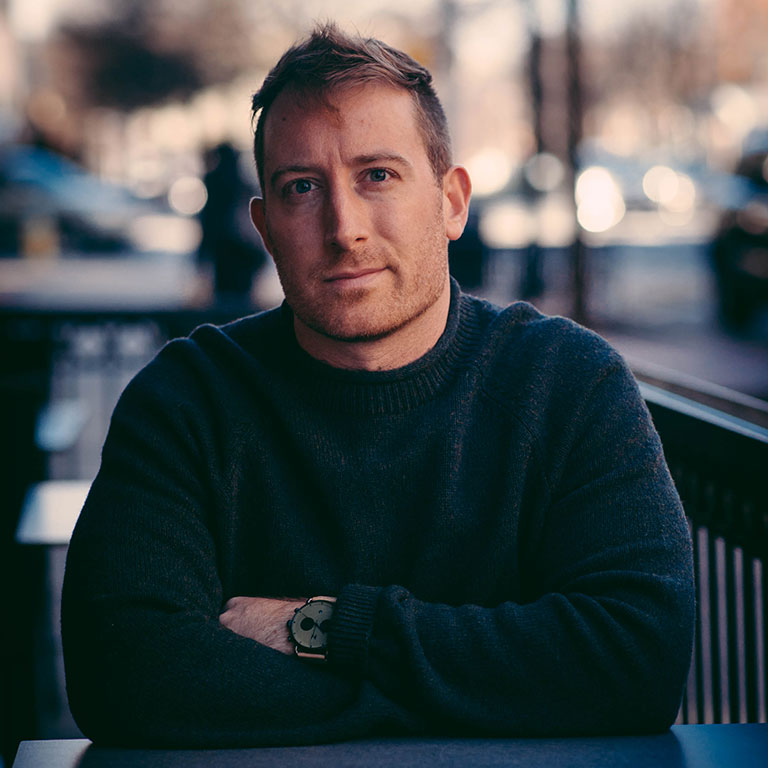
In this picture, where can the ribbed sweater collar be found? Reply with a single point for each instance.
(390, 391)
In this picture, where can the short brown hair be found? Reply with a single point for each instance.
(330, 59)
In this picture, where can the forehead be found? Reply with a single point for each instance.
(350, 120)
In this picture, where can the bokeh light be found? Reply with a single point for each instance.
(187, 195)
(599, 202)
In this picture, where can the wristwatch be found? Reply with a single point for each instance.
(308, 628)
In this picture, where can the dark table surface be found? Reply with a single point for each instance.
(691, 746)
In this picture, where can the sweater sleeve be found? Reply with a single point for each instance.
(602, 642)
(147, 662)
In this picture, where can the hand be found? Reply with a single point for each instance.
(263, 619)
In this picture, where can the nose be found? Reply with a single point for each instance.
(346, 218)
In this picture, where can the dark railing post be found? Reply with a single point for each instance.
(734, 714)
(714, 625)
(750, 637)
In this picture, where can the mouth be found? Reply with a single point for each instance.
(354, 276)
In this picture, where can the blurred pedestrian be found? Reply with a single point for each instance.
(229, 242)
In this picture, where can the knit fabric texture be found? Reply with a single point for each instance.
(496, 519)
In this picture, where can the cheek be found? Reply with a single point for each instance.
(399, 221)
(292, 234)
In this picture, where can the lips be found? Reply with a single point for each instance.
(353, 274)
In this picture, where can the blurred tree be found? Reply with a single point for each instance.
(146, 52)
(124, 66)
(653, 61)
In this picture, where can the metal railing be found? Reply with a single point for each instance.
(719, 463)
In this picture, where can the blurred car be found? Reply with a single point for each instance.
(740, 246)
(43, 193)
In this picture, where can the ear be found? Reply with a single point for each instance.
(457, 189)
(259, 220)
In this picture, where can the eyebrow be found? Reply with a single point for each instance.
(374, 157)
(283, 169)
(378, 157)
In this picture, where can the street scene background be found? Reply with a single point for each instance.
(626, 129)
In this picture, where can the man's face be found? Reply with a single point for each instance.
(353, 216)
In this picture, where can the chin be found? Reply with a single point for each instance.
(349, 330)
(355, 318)
(363, 317)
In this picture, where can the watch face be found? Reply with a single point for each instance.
(309, 625)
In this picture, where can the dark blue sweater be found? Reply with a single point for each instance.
(496, 518)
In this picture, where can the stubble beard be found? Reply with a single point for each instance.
(369, 314)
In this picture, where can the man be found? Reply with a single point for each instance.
(462, 512)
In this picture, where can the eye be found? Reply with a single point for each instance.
(378, 174)
(299, 187)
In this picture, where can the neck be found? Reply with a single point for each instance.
(394, 350)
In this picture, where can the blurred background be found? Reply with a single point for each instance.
(619, 154)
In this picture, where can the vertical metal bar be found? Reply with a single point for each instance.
(687, 484)
(699, 655)
(690, 692)
(714, 630)
(684, 714)
(750, 637)
(733, 652)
